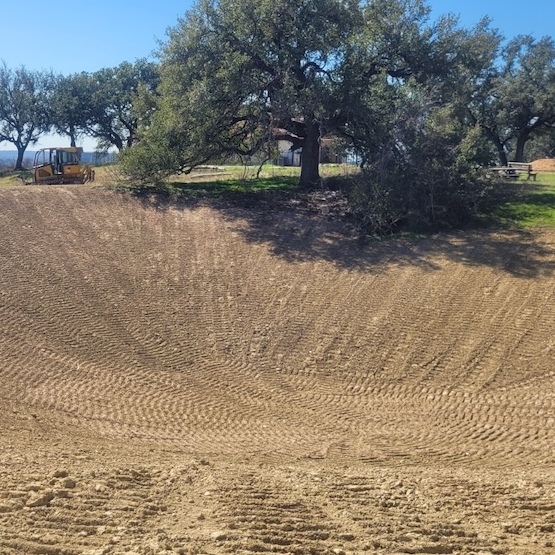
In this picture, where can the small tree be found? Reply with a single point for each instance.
(542, 145)
(23, 107)
(420, 163)
(425, 176)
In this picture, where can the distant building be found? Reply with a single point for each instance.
(288, 157)
(331, 152)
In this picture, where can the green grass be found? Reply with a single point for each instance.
(526, 203)
(11, 178)
(216, 181)
(220, 187)
(522, 203)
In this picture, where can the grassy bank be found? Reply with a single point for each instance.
(526, 203)
(521, 203)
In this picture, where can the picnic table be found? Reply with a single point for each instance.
(514, 169)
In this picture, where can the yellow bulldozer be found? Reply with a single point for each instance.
(60, 165)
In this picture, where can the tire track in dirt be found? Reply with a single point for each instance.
(397, 405)
(167, 325)
(85, 504)
(99, 510)
(272, 519)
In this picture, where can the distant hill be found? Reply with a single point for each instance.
(8, 158)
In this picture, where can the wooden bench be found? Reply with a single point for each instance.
(514, 169)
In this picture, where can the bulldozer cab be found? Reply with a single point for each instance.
(60, 165)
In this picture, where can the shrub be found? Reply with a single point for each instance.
(427, 177)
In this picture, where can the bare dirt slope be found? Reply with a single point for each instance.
(215, 379)
(545, 165)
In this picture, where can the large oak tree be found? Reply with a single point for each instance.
(394, 85)
(108, 105)
(237, 74)
(70, 104)
(111, 114)
(23, 107)
(516, 101)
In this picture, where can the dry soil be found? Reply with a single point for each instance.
(202, 378)
(544, 164)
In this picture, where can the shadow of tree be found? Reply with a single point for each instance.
(297, 232)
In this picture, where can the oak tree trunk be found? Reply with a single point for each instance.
(310, 157)
(499, 146)
(521, 141)
(19, 161)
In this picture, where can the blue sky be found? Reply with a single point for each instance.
(511, 17)
(69, 36)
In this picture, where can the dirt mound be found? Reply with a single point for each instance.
(544, 165)
(203, 378)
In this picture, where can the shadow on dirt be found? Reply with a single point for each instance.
(302, 229)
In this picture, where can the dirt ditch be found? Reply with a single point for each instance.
(203, 379)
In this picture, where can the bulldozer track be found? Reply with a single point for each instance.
(196, 376)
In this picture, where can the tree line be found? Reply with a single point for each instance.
(423, 103)
(107, 105)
